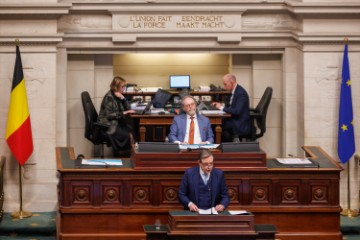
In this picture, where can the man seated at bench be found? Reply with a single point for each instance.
(190, 127)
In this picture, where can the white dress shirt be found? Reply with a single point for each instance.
(231, 98)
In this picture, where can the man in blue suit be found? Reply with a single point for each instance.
(239, 124)
(203, 186)
(180, 130)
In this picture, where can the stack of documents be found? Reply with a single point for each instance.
(198, 146)
(211, 112)
(158, 110)
(104, 162)
(150, 89)
(297, 162)
(204, 89)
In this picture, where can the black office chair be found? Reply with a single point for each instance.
(95, 132)
(258, 115)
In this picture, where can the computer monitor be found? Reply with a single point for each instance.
(158, 147)
(240, 147)
(179, 81)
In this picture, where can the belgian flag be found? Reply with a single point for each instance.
(18, 130)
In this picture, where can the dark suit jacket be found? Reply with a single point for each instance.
(178, 128)
(240, 112)
(189, 187)
(111, 113)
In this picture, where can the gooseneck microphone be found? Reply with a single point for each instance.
(210, 192)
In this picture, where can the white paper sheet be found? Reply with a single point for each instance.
(105, 162)
(208, 211)
(237, 212)
(293, 160)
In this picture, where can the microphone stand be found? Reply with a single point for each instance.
(209, 183)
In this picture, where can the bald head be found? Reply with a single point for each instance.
(229, 81)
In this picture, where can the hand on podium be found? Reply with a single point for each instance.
(193, 207)
(219, 208)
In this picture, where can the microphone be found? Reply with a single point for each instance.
(209, 186)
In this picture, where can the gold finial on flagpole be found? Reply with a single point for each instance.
(346, 40)
(17, 42)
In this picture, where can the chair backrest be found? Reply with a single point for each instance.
(91, 116)
(261, 109)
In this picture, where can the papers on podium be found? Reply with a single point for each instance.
(237, 212)
(104, 162)
(198, 146)
(294, 161)
(297, 162)
(208, 211)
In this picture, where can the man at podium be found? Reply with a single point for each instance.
(203, 186)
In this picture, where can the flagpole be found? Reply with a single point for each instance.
(21, 214)
(346, 136)
(18, 78)
(349, 212)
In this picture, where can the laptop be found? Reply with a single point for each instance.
(145, 110)
(157, 147)
(205, 106)
(240, 147)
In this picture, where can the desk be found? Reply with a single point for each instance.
(217, 96)
(263, 232)
(163, 122)
(115, 203)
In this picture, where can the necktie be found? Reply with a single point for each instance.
(192, 131)
(206, 178)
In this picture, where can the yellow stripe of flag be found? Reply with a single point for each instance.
(18, 108)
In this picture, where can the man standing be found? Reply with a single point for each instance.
(239, 123)
(203, 186)
(190, 128)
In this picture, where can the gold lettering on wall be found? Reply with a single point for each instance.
(146, 21)
(176, 22)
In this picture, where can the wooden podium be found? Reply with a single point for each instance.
(184, 159)
(185, 225)
(108, 203)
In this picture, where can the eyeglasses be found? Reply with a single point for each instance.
(210, 164)
(189, 105)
